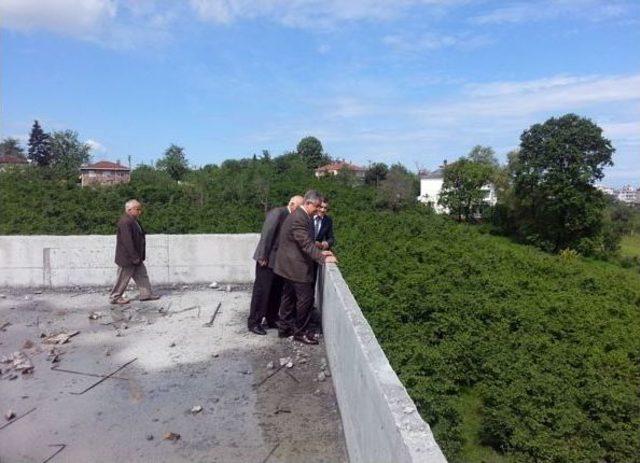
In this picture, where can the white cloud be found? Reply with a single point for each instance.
(96, 146)
(308, 13)
(434, 41)
(110, 23)
(513, 99)
(518, 12)
(72, 17)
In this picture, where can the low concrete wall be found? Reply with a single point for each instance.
(59, 261)
(380, 420)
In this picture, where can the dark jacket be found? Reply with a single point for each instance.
(268, 244)
(326, 231)
(130, 242)
(297, 250)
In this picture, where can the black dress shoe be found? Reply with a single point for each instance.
(257, 329)
(305, 339)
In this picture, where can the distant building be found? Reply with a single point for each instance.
(606, 190)
(104, 173)
(334, 168)
(431, 188)
(11, 162)
(627, 194)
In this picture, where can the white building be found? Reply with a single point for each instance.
(627, 194)
(431, 188)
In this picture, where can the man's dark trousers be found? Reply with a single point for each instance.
(265, 300)
(296, 306)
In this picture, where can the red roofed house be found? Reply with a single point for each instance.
(334, 168)
(8, 162)
(104, 173)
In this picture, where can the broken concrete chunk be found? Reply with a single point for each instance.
(149, 436)
(322, 376)
(196, 409)
(284, 360)
(9, 415)
(171, 436)
(228, 288)
(408, 410)
(95, 315)
(173, 344)
(289, 365)
(214, 284)
(270, 365)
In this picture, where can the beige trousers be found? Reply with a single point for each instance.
(139, 275)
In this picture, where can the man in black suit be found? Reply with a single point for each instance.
(295, 259)
(267, 287)
(323, 227)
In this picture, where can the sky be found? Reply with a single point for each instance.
(410, 81)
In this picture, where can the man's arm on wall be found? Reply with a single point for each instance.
(300, 233)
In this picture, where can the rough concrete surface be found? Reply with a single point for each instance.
(181, 364)
(381, 422)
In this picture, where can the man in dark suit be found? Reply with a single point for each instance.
(323, 227)
(267, 287)
(295, 259)
(130, 255)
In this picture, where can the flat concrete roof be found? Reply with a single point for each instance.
(247, 415)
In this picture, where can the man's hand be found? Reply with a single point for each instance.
(318, 245)
(325, 245)
(263, 262)
(330, 259)
(327, 253)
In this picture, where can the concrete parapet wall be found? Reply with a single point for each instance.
(59, 261)
(380, 420)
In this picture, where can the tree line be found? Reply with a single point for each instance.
(546, 191)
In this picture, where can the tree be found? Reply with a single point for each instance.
(464, 187)
(174, 162)
(11, 147)
(310, 149)
(39, 146)
(376, 173)
(398, 189)
(483, 155)
(67, 152)
(557, 205)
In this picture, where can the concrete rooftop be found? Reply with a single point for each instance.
(246, 415)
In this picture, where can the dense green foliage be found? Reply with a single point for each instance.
(556, 203)
(310, 149)
(68, 153)
(174, 162)
(546, 347)
(464, 187)
(506, 350)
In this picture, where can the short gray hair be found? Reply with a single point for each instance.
(312, 196)
(129, 204)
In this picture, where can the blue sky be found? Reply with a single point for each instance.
(414, 81)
